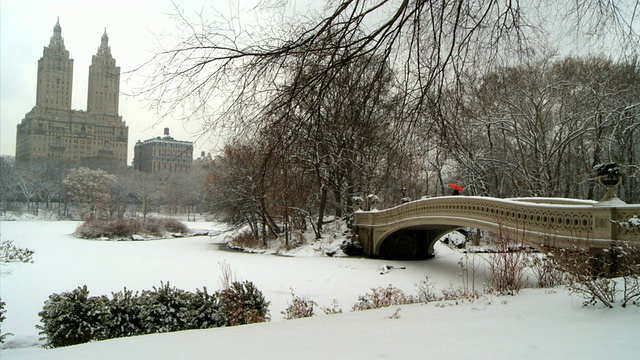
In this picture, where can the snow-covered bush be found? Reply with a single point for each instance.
(242, 303)
(507, 263)
(300, 307)
(9, 253)
(92, 229)
(124, 315)
(333, 308)
(119, 228)
(244, 240)
(426, 291)
(205, 310)
(352, 246)
(160, 225)
(584, 279)
(164, 309)
(546, 271)
(383, 297)
(610, 168)
(631, 226)
(591, 275)
(73, 318)
(2, 317)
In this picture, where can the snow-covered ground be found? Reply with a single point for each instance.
(535, 324)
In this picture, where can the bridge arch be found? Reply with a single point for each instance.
(390, 233)
(410, 243)
(414, 238)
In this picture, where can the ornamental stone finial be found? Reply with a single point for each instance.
(373, 200)
(357, 202)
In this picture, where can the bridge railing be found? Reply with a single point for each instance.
(559, 218)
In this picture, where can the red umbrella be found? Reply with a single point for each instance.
(456, 187)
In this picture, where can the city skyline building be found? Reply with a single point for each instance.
(53, 130)
(163, 154)
(104, 81)
(55, 74)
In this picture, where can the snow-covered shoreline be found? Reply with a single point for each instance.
(536, 323)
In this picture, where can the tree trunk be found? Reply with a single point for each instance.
(321, 209)
(338, 200)
(597, 150)
(264, 220)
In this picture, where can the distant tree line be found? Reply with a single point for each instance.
(533, 129)
(75, 192)
(539, 128)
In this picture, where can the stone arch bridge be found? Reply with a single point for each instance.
(409, 231)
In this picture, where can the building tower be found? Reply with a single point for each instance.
(104, 81)
(55, 74)
(52, 131)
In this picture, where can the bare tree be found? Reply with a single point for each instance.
(538, 128)
(144, 189)
(233, 187)
(228, 76)
(90, 189)
(608, 96)
(8, 182)
(31, 182)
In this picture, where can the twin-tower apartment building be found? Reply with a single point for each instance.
(53, 130)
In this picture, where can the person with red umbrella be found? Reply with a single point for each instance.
(457, 189)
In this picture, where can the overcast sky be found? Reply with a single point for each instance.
(27, 25)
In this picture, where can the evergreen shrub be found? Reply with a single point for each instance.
(74, 317)
(205, 310)
(124, 315)
(2, 317)
(165, 309)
